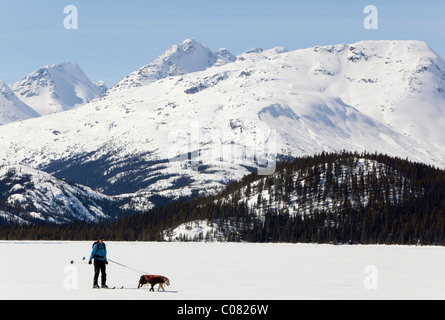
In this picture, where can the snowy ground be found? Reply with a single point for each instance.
(198, 271)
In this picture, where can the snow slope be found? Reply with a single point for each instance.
(194, 131)
(57, 88)
(199, 271)
(11, 108)
(31, 196)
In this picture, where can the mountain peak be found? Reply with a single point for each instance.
(56, 88)
(187, 57)
(62, 65)
(189, 44)
(225, 55)
(11, 108)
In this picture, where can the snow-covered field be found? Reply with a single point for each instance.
(199, 271)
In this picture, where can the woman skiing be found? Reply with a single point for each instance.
(99, 254)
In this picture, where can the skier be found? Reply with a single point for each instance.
(99, 254)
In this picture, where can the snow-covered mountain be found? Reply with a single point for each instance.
(13, 109)
(102, 86)
(57, 88)
(28, 195)
(187, 57)
(186, 124)
(225, 55)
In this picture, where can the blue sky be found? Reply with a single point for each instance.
(117, 37)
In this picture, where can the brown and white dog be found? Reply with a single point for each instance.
(153, 280)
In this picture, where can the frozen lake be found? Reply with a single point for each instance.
(200, 271)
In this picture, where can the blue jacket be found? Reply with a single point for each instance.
(99, 252)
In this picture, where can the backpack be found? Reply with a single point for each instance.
(97, 243)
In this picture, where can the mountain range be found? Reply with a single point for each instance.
(193, 120)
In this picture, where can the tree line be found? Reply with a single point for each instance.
(327, 198)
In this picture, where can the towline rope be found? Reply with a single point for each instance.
(127, 267)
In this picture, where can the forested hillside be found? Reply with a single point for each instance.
(327, 198)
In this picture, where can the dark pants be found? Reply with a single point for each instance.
(100, 267)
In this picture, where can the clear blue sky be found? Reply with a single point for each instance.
(117, 37)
